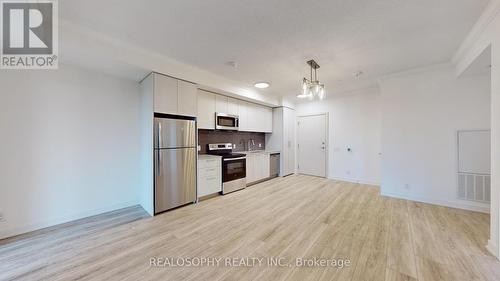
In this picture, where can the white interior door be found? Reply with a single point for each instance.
(312, 145)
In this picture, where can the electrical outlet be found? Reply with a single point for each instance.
(260, 145)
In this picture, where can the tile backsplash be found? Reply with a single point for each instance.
(240, 139)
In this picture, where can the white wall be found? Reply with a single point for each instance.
(422, 111)
(69, 146)
(354, 121)
(486, 33)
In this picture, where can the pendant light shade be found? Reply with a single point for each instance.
(312, 88)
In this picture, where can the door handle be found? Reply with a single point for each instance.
(158, 156)
(159, 135)
(239, 158)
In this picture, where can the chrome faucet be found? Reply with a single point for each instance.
(250, 144)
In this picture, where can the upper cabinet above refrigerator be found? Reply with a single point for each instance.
(173, 96)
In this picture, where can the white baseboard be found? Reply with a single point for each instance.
(360, 181)
(445, 203)
(20, 229)
(492, 248)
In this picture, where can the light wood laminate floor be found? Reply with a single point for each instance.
(296, 216)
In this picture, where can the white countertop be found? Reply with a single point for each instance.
(260, 151)
(207, 156)
(210, 156)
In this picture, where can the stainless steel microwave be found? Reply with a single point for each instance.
(226, 121)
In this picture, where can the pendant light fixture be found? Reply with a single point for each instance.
(312, 88)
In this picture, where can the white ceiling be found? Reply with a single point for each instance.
(271, 39)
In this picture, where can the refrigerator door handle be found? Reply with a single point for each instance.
(158, 157)
(159, 136)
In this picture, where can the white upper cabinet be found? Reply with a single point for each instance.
(187, 98)
(243, 113)
(173, 96)
(252, 117)
(232, 106)
(165, 94)
(260, 118)
(267, 121)
(206, 110)
(226, 105)
(221, 104)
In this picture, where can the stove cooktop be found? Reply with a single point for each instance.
(233, 155)
(229, 155)
(223, 149)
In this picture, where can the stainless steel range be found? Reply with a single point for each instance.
(234, 165)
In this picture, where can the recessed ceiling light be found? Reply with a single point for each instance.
(261, 85)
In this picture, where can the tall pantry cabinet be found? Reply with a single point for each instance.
(283, 138)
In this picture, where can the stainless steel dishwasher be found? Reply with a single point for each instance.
(274, 166)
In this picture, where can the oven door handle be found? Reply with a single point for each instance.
(239, 158)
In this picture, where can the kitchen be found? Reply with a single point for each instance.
(238, 143)
(361, 133)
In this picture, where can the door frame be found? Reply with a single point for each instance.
(327, 137)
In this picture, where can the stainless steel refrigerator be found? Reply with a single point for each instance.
(174, 161)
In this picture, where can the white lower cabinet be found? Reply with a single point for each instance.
(250, 168)
(264, 161)
(209, 176)
(257, 166)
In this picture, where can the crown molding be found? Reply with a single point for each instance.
(415, 70)
(486, 18)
